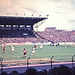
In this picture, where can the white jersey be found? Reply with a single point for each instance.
(13, 48)
(41, 46)
(33, 50)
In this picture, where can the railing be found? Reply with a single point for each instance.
(1, 59)
(51, 63)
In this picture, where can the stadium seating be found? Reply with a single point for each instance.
(19, 36)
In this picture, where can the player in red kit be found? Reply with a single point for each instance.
(35, 47)
(3, 49)
(24, 52)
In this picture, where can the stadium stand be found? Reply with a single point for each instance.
(20, 36)
(20, 30)
(17, 29)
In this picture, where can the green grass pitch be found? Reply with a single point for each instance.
(60, 53)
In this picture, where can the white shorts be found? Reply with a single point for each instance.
(33, 52)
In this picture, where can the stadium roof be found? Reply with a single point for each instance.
(9, 20)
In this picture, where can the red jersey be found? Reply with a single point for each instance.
(24, 51)
(4, 48)
(35, 46)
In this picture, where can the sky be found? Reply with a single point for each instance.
(61, 12)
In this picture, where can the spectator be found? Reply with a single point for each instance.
(45, 71)
(64, 70)
(41, 73)
(31, 71)
(73, 72)
(50, 72)
(55, 70)
(14, 73)
(4, 73)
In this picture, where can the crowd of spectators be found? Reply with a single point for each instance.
(58, 35)
(61, 70)
(19, 36)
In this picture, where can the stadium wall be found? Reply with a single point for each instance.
(45, 43)
(67, 43)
